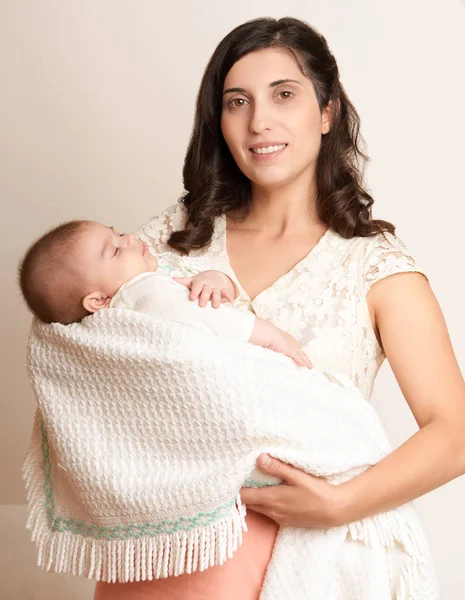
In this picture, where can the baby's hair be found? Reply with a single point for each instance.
(50, 284)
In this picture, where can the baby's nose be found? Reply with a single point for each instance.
(129, 238)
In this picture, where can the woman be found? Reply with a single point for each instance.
(275, 198)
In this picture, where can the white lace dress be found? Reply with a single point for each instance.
(321, 301)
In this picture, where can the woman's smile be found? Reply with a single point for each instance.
(267, 151)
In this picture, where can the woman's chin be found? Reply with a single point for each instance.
(272, 180)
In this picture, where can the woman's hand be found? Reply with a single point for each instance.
(209, 285)
(301, 501)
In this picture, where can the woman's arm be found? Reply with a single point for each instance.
(417, 344)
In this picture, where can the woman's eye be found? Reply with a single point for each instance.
(285, 95)
(238, 102)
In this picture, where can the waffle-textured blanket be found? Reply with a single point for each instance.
(145, 432)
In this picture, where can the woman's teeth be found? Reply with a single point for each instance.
(267, 149)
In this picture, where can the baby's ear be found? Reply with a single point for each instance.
(96, 301)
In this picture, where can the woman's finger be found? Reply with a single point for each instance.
(257, 508)
(272, 466)
(258, 496)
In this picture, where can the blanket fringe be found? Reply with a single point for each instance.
(164, 555)
(129, 559)
(400, 528)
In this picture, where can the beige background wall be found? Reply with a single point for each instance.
(96, 107)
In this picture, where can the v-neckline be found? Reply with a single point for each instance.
(311, 254)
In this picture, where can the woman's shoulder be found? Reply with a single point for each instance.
(367, 247)
(157, 231)
(382, 255)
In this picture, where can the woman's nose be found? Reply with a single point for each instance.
(260, 119)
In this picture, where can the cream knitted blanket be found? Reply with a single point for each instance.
(146, 431)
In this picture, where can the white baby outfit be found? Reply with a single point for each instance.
(157, 294)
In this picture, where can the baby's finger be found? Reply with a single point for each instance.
(304, 361)
(196, 289)
(298, 361)
(227, 295)
(216, 298)
(299, 357)
(205, 295)
(187, 281)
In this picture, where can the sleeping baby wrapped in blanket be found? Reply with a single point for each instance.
(148, 427)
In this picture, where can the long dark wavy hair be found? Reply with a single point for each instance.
(214, 183)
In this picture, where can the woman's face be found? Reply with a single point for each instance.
(271, 120)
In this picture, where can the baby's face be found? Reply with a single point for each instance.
(109, 259)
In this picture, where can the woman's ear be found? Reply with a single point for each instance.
(327, 118)
(96, 301)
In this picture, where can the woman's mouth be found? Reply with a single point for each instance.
(267, 151)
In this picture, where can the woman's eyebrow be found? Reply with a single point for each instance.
(240, 90)
(280, 81)
(272, 84)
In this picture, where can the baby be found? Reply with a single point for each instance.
(81, 267)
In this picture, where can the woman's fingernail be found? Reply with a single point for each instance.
(265, 460)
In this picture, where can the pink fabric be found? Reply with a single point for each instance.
(240, 577)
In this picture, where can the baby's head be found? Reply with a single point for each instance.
(76, 268)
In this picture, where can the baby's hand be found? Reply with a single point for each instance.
(285, 344)
(209, 285)
(268, 335)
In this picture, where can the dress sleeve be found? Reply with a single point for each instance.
(156, 232)
(387, 255)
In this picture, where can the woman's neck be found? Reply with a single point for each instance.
(285, 209)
